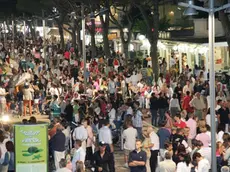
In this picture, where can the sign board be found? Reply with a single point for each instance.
(31, 148)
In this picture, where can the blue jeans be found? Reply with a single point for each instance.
(139, 132)
(154, 116)
(162, 114)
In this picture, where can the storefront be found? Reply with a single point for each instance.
(192, 54)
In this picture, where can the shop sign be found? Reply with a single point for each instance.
(31, 148)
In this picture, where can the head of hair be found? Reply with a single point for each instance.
(33, 120)
(10, 146)
(168, 155)
(174, 96)
(62, 163)
(196, 155)
(79, 166)
(199, 143)
(186, 158)
(167, 144)
(129, 123)
(178, 115)
(181, 148)
(78, 142)
(187, 93)
(225, 137)
(24, 121)
(179, 130)
(106, 122)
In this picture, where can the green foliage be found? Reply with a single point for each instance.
(164, 24)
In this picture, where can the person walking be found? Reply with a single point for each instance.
(154, 148)
(57, 143)
(102, 161)
(79, 154)
(129, 135)
(154, 109)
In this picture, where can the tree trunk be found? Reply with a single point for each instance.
(154, 58)
(79, 43)
(32, 31)
(93, 41)
(105, 27)
(126, 49)
(61, 33)
(74, 37)
(106, 42)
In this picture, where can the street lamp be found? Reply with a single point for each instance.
(211, 10)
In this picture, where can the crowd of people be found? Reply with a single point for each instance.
(86, 120)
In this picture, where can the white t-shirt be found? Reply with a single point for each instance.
(203, 166)
(155, 140)
(129, 135)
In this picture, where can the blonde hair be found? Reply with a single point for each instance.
(201, 123)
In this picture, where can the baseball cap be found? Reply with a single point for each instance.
(102, 144)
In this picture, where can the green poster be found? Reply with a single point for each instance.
(31, 148)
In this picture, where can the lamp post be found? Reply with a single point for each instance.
(44, 37)
(13, 35)
(211, 34)
(5, 32)
(24, 29)
(83, 45)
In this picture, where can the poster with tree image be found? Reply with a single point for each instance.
(31, 148)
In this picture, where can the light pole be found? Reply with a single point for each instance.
(83, 45)
(24, 24)
(13, 34)
(44, 37)
(5, 32)
(211, 34)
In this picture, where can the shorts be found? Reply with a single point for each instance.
(127, 152)
(36, 101)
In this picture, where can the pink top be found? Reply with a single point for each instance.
(204, 138)
(96, 85)
(191, 123)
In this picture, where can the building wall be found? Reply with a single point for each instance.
(201, 28)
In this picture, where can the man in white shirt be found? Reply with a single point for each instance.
(105, 136)
(80, 133)
(203, 164)
(79, 154)
(168, 164)
(155, 147)
(129, 135)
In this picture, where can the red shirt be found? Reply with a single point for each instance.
(185, 104)
(181, 124)
(67, 55)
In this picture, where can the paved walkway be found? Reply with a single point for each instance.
(119, 154)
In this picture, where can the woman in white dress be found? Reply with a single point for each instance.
(185, 163)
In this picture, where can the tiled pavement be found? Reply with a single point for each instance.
(119, 157)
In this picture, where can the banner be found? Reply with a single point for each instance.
(31, 148)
